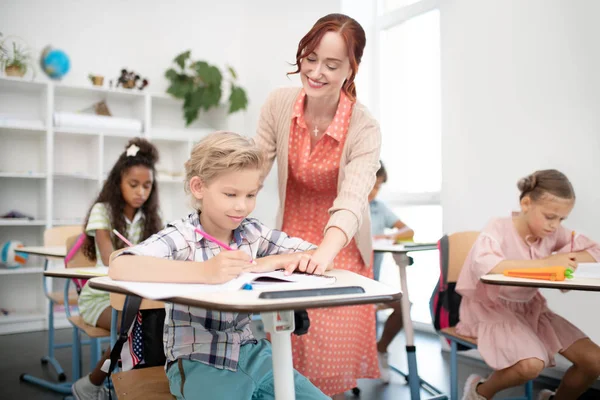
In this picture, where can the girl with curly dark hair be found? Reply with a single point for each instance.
(127, 203)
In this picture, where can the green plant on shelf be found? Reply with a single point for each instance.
(15, 59)
(200, 85)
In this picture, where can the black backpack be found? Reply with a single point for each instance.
(152, 334)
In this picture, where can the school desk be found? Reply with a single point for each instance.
(278, 313)
(399, 252)
(51, 251)
(585, 284)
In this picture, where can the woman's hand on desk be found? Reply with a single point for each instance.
(226, 266)
(316, 263)
(275, 262)
(289, 262)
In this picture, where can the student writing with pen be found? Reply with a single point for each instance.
(211, 354)
(517, 334)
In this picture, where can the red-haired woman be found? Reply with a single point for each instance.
(327, 148)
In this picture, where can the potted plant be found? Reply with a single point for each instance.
(199, 84)
(15, 59)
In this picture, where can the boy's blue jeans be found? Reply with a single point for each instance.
(252, 381)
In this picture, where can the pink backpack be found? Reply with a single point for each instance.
(79, 283)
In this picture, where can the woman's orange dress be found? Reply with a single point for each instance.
(340, 346)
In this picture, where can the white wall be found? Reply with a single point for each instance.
(365, 13)
(257, 38)
(520, 92)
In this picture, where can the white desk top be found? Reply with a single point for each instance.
(77, 273)
(587, 284)
(53, 251)
(388, 247)
(248, 300)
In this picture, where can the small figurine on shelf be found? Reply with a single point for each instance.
(129, 80)
(143, 84)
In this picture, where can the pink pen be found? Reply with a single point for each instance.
(123, 238)
(572, 240)
(215, 240)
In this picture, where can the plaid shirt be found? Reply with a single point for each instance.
(211, 337)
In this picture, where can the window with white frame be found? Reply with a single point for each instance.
(409, 98)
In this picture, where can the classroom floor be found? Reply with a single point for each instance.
(21, 353)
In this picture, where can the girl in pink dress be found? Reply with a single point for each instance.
(517, 334)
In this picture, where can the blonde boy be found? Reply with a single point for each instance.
(212, 354)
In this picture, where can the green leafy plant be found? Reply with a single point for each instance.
(16, 57)
(199, 84)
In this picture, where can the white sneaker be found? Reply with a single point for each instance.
(546, 394)
(384, 367)
(84, 389)
(470, 392)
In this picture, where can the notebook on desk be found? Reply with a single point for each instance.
(587, 271)
(274, 280)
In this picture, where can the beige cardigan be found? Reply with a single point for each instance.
(358, 164)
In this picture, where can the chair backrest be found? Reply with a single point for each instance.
(78, 259)
(445, 300)
(58, 235)
(459, 245)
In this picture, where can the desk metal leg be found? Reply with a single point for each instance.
(49, 358)
(414, 381)
(63, 387)
(280, 326)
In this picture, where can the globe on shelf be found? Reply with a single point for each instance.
(55, 63)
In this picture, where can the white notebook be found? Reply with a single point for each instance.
(260, 281)
(587, 271)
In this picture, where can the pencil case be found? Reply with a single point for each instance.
(548, 274)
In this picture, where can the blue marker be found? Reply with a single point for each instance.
(247, 286)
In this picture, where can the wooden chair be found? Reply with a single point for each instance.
(145, 383)
(57, 237)
(459, 245)
(142, 384)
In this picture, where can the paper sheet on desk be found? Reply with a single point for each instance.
(587, 270)
(270, 280)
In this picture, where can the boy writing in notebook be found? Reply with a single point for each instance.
(213, 354)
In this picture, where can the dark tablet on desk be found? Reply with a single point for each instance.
(324, 291)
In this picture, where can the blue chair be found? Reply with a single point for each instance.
(59, 236)
(453, 253)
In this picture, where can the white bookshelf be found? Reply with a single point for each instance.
(53, 173)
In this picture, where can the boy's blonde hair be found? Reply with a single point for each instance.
(218, 153)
